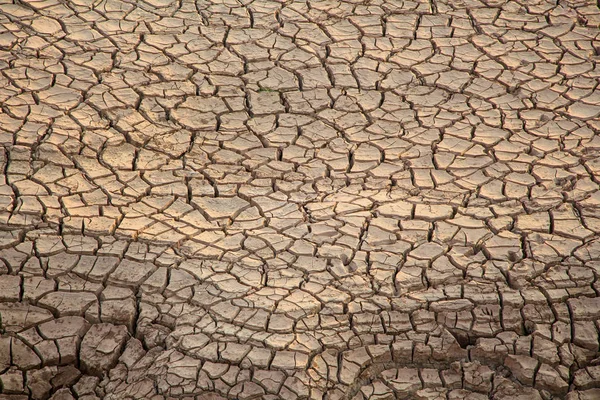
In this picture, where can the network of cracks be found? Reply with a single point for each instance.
(357, 199)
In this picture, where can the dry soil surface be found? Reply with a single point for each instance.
(236, 199)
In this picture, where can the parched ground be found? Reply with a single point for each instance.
(237, 199)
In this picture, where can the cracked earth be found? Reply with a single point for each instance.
(228, 199)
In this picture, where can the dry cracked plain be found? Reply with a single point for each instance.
(237, 199)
